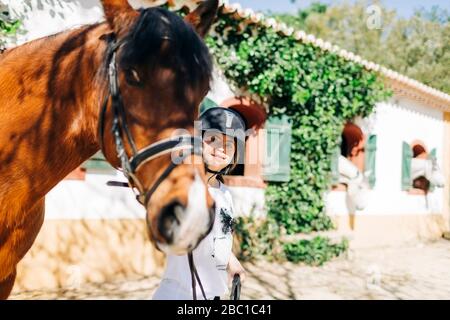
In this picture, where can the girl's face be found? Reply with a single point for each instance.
(218, 150)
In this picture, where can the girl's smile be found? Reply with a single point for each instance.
(218, 150)
(219, 154)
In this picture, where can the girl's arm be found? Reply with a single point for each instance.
(235, 267)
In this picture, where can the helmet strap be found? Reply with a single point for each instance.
(224, 171)
(215, 172)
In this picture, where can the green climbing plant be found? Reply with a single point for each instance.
(314, 252)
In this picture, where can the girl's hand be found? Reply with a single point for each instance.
(235, 267)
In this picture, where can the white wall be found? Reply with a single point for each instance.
(400, 120)
(92, 199)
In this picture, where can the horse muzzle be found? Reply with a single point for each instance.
(179, 229)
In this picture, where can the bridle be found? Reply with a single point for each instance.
(120, 130)
(130, 165)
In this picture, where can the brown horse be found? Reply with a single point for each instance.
(51, 94)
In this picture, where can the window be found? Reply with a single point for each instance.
(420, 172)
(352, 145)
(354, 159)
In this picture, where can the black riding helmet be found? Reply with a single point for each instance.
(230, 123)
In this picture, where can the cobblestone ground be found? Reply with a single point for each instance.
(419, 271)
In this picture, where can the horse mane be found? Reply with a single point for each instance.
(187, 52)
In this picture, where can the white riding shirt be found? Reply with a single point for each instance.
(211, 257)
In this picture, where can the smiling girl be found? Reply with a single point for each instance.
(223, 133)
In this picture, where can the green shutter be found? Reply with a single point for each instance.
(370, 159)
(97, 163)
(207, 104)
(432, 156)
(407, 155)
(276, 166)
(335, 166)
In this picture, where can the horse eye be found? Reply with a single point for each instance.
(132, 77)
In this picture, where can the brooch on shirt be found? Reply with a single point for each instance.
(227, 221)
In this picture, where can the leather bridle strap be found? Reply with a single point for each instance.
(178, 143)
(110, 58)
(130, 166)
(194, 276)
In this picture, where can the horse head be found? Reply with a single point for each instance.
(159, 71)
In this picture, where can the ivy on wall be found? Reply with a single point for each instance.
(318, 90)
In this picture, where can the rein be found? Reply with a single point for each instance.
(235, 287)
(194, 276)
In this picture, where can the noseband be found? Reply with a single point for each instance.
(185, 145)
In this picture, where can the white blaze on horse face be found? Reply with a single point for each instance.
(194, 220)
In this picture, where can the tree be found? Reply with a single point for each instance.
(298, 21)
(417, 47)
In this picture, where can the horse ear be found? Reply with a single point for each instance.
(119, 14)
(203, 17)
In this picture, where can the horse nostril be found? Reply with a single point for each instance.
(168, 220)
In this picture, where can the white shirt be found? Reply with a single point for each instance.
(210, 257)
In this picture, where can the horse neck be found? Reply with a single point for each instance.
(51, 97)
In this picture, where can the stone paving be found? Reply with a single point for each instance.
(416, 271)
